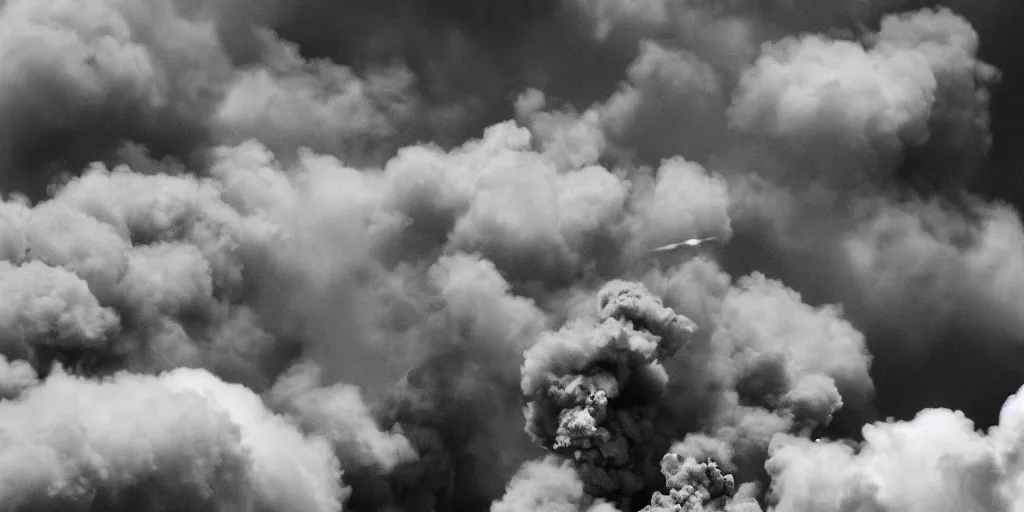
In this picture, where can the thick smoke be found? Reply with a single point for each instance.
(548, 484)
(396, 255)
(695, 486)
(592, 387)
(955, 466)
(183, 440)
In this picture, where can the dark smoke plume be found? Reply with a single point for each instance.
(396, 255)
(592, 387)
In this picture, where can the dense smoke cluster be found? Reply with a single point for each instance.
(593, 386)
(692, 485)
(398, 255)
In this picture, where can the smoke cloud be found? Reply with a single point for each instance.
(397, 256)
(140, 442)
(591, 386)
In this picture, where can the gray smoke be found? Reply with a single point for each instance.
(183, 440)
(591, 387)
(949, 463)
(548, 484)
(697, 486)
(395, 255)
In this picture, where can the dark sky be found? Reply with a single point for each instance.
(1003, 45)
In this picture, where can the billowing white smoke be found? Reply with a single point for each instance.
(955, 466)
(137, 442)
(548, 484)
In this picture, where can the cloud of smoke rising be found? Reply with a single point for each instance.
(592, 386)
(322, 255)
(696, 486)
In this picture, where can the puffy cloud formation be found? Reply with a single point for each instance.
(548, 484)
(68, 67)
(344, 239)
(861, 176)
(137, 442)
(15, 377)
(789, 355)
(46, 307)
(763, 363)
(955, 465)
(337, 413)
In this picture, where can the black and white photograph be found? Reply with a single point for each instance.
(511, 256)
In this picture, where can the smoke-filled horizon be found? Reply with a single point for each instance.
(510, 256)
